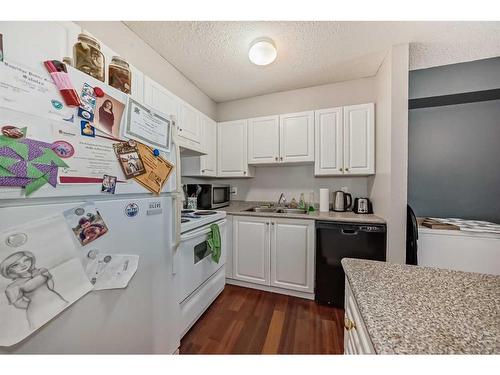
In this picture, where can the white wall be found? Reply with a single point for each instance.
(269, 182)
(388, 188)
(324, 96)
(117, 36)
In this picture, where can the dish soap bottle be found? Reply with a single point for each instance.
(311, 202)
(302, 202)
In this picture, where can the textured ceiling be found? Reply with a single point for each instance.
(214, 55)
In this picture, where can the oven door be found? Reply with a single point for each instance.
(220, 196)
(194, 259)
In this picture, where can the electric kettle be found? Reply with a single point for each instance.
(341, 201)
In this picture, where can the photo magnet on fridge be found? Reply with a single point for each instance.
(129, 158)
(87, 130)
(108, 184)
(86, 223)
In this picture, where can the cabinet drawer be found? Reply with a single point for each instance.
(356, 339)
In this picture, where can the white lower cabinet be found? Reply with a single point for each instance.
(251, 249)
(356, 338)
(292, 254)
(275, 252)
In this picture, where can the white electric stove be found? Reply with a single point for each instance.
(192, 219)
(200, 277)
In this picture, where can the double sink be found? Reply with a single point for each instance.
(277, 210)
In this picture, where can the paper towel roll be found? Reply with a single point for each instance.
(324, 200)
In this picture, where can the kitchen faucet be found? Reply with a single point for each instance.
(282, 198)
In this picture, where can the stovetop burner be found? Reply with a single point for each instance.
(185, 220)
(187, 211)
(205, 213)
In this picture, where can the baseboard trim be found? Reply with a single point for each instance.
(273, 289)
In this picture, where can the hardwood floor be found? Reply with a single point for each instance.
(249, 321)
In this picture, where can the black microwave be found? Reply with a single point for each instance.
(209, 196)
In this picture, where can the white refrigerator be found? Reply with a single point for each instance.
(143, 317)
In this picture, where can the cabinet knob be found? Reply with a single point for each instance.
(349, 324)
(341, 169)
(272, 223)
(244, 172)
(267, 223)
(180, 130)
(276, 158)
(281, 158)
(346, 169)
(202, 171)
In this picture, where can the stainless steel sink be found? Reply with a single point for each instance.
(292, 211)
(262, 209)
(277, 210)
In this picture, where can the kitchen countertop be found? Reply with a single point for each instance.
(423, 310)
(240, 207)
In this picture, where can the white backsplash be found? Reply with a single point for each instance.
(269, 182)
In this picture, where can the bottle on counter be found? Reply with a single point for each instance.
(302, 202)
(88, 57)
(311, 202)
(119, 75)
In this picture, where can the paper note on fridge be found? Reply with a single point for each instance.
(40, 276)
(33, 92)
(147, 126)
(88, 158)
(111, 271)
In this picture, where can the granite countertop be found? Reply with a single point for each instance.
(423, 310)
(240, 207)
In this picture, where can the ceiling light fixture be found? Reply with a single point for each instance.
(262, 52)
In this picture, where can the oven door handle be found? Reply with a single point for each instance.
(197, 233)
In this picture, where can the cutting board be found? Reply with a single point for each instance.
(433, 224)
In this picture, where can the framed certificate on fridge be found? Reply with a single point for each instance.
(145, 125)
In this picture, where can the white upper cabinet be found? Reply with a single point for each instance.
(31, 43)
(328, 141)
(292, 254)
(297, 137)
(232, 149)
(137, 87)
(190, 124)
(345, 140)
(359, 139)
(208, 162)
(251, 249)
(263, 140)
(159, 98)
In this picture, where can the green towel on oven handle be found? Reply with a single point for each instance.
(214, 242)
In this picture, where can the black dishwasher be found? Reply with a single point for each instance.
(335, 241)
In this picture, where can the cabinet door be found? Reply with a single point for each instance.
(232, 149)
(263, 140)
(160, 98)
(208, 162)
(328, 142)
(297, 137)
(31, 43)
(292, 254)
(251, 249)
(189, 123)
(137, 89)
(359, 139)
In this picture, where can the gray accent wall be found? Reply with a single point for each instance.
(454, 151)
